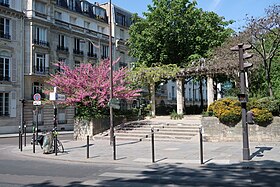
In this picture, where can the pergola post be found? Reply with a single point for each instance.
(210, 90)
(180, 97)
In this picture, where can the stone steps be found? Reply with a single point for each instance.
(165, 130)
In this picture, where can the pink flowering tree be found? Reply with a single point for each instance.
(87, 87)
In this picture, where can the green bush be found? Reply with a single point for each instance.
(262, 116)
(174, 115)
(228, 110)
(268, 103)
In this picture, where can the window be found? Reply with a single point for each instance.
(120, 19)
(190, 94)
(40, 65)
(77, 47)
(41, 36)
(122, 60)
(4, 104)
(71, 4)
(105, 51)
(61, 116)
(91, 50)
(4, 3)
(40, 7)
(100, 29)
(86, 7)
(5, 28)
(39, 112)
(100, 13)
(173, 92)
(37, 88)
(4, 69)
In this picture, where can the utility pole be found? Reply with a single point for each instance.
(243, 96)
(111, 75)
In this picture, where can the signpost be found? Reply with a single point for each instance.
(54, 96)
(36, 103)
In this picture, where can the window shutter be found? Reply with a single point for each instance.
(13, 105)
(13, 69)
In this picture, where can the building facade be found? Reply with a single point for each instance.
(36, 34)
(11, 64)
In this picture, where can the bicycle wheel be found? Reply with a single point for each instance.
(60, 147)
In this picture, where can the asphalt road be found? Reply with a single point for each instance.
(18, 170)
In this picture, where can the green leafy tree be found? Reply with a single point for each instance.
(264, 35)
(175, 32)
(144, 76)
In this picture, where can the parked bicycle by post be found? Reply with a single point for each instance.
(47, 142)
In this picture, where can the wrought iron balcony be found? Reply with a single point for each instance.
(62, 48)
(40, 42)
(41, 70)
(94, 55)
(78, 52)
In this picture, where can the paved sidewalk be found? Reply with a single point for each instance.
(221, 154)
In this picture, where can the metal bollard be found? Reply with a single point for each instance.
(33, 143)
(201, 145)
(24, 135)
(153, 145)
(87, 146)
(20, 141)
(114, 148)
(19, 137)
(55, 145)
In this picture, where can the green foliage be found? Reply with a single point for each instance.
(228, 110)
(266, 103)
(262, 116)
(90, 112)
(175, 31)
(174, 115)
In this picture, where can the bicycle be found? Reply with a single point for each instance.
(47, 142)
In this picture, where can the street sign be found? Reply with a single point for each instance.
(36, 103)
(60, 97)
(37, 97)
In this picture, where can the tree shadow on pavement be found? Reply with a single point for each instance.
(253, 174)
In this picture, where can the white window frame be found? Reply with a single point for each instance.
(6, 64)
(6, 26)
(40, 7)
(41, 34)
(40, 63)
(4, 104)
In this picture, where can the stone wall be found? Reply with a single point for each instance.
(82, 128)
(214, 131)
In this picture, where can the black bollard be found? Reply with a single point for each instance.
(87, 146)
(19, 137)
(201, 145)
(153, 144)
(24, 135)
(55, 145)
(33, 143)
(114, 148)
(20, 141)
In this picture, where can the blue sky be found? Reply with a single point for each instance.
(230, 9)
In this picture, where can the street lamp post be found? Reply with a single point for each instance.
(111, 74)
(243, 97)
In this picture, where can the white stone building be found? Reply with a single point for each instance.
(11, 64)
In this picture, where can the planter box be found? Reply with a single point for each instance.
(214, 131)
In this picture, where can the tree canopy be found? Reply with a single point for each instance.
(88, 87)
(174, 32)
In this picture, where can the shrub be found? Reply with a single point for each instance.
(262, 116)
(174, 115)
(228, 110)
(269, 103)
